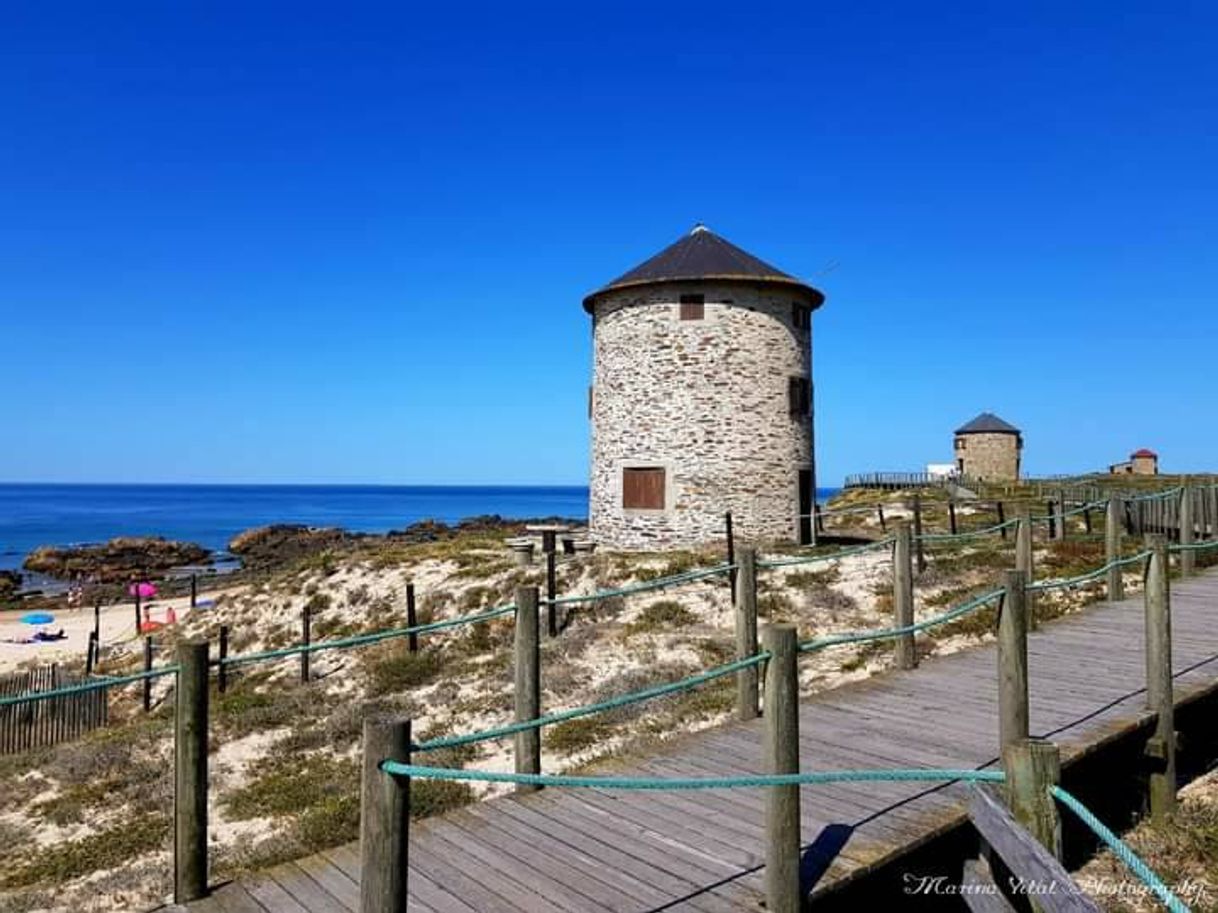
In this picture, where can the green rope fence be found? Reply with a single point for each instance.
(1122, 851)
(110, 681)
(854, 637)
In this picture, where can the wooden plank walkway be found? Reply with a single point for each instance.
(562, 851)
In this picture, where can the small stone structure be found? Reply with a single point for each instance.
(988, 449)
(1140, 463)
(701, 401)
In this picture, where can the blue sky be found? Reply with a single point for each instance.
(348, 243)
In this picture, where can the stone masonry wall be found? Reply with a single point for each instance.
(707, 400)
(989, 456)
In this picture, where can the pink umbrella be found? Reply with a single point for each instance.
(142, 590)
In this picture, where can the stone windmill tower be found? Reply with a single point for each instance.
(701, 399)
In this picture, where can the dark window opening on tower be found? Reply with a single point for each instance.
(799, 393)
(693, 307)
(643, 488)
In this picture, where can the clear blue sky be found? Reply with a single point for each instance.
(348, 243)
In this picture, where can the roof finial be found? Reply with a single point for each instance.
(698, 226)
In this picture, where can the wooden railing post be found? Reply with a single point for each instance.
(551, 587)
(1162, 746)
(1188, 558)
(1112, 548)
(917, 531)
(746, 634)
(1023, 558)
(1002, 519)
(731, 551)
(1033, 767)
(903, 595)
(782, 888)
(305, 625)
(194, 590)
(879, 509)
(1211, 531)
(951, 514)
(90, 653)
(190, 774)
(384, 827)
(527, 743)
(412, 619)
(222, 668)
(147, 683)
(1061, 514)
(1013, 661)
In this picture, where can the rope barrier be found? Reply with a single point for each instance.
(647, 585)
(836, 640)
(1068, 582)
(105, 682)
(1122, 851)
(359, 640)
(398, 769)
(622, 700)
(830, 556)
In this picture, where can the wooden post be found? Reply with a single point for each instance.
(1051, 518)
(1013, 661)
(527, 743)
(1188, 558)
(1023, 557)
(903, 595)
(818, 522)
(551, 593)
(746, 634)
(384, 818)
(412, 619)
(782, 888)
(1112, 548)
(97, 621)
(222, 668)
(1033, 767)
(1061, 514)
(1087, 520)
(731, 551)
(883, 524)
(147, 668)
(138, 620)
(951, 514)
(194, 590)
(90, 652)
(1002, 519)
(305, 619)
(917, 531)
(1162, 746)
(190, 774)
(1212, 531)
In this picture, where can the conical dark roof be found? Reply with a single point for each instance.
(702, 254)
(987, 423)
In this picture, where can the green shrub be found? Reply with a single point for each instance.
(578, 734)
(664, 616)
(105, 849)
(290, 784)
(399, 669)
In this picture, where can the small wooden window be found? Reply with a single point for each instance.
(801, 316)
(800, 397)
(643, 488)
(693, 307)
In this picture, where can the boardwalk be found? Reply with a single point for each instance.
(561, 851)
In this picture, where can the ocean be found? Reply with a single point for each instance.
(34, 515)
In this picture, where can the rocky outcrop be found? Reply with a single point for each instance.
(115, 561)
(10, 583)
(281, 543)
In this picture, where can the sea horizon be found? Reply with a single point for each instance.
(35, 514)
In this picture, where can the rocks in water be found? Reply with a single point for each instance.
(10, 583)
(493, 524)
(115, 561)
(271, 546)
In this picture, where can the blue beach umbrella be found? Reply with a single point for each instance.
(38, 618)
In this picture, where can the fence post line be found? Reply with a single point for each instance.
(527, 743)
(305, 619)
(746, 634)
(731, 551)
(194, 590)
(384, 818)
(190, 774)
(1013, 661)
(903, 595)
(1002, 519)
(951, 514)
(1112, 548)
(147, 683)
(782, 888)
(1162, 745)
(1023, 558)
(412, 619)
(1032, 768)
(917, 529)
(1188, 558)
(222, 667)
(97, 621)
(1061, 514)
